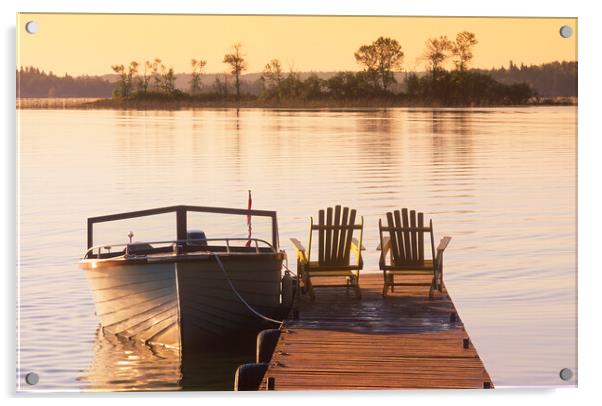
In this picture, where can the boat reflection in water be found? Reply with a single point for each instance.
(123, 365)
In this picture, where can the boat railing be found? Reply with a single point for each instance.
(177, 246)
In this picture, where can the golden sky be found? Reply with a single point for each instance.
(91, 43)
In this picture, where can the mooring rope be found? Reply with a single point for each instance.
(285, 265)
(221, 266)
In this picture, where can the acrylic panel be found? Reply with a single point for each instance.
(216, 202)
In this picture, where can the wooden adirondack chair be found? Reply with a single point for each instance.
(335, 245)
(403, 239)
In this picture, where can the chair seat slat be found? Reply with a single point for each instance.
(336, 235)
(348, 238)
(406, 234)
(343, 235)
(420, 237)
(403, 255)
(395, 255)
(328, 240)
(320, 236)
(414, 236)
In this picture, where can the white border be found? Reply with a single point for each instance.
(589, 181)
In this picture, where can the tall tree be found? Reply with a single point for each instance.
(272, 78)
(156, 66)
(131, 74)
(197, 69)
(237, 63)
(462, 49)
(381, 59)
(145, 77)
(169, 80)
(165, 78)
(126, 78)
(120, 90)
(437, 51)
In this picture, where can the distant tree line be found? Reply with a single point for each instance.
(381, 78)
(31, 82)
(380, 61)
(551, 79)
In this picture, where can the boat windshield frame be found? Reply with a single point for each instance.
(181, 212)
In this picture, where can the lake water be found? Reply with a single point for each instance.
(500, 181)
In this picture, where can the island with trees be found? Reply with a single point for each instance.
(380, 82)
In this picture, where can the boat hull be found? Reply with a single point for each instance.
(184, 303)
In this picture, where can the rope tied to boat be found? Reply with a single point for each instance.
(220, 264)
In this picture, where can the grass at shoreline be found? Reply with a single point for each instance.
(136, 104)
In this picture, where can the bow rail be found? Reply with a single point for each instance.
(176, 247)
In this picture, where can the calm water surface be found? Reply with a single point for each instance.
(501, 182)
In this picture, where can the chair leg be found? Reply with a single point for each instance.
(385, 283)
(312, 295)
(433, 286)
(304, 279)
(356, 285)
(392, 282)
(310, 289)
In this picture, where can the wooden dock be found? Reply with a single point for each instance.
(403, 341)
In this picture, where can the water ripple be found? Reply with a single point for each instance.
(501, 182)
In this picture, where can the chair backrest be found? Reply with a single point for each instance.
(406, 232)
(335, 230)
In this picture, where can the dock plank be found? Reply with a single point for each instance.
(403, 341)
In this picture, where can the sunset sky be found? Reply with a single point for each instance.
(90, 43)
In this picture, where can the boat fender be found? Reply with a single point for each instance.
(248, 376)
(266, 344)
(288, 291)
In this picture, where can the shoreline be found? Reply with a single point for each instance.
(122, 104)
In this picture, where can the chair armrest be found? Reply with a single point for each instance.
(443, 245)
(355, 243)
(358, 252)
(300, 249)
(386, 245)
(298, 246)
